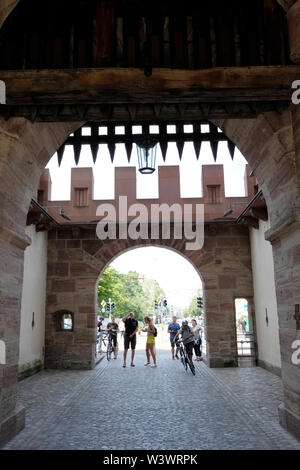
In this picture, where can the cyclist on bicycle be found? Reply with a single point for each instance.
(112, 330)
(187, 338)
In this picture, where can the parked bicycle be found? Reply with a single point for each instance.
(184, 358)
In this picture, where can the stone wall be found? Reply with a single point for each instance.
(267, 332)
(32, 331)
(25, 150)
(275, 160)
(76, 258)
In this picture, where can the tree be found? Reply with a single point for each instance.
(128, 293)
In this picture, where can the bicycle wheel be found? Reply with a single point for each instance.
(191, 365)
(184, 360)
(109, 351)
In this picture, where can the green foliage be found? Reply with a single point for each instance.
(128, 293)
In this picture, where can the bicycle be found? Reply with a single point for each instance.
(109, 348)
(184, 358)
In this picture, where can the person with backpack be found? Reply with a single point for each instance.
(151, 335)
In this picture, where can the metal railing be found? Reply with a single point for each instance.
(245, 345)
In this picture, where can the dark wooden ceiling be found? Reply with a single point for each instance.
(53, 34)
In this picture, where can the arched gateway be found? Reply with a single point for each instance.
(252, 107)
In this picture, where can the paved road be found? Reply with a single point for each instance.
(142, 408)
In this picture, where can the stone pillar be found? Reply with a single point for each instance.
(25, 151)
(286, 249)
(293, 19)
(12, 414)
(285, 240)
(225, 267)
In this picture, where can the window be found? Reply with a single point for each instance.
(81, 197)
(64, 320)
(214, 194)
(67, 321)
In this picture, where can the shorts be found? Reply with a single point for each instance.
(189, 347)
(171, 341)
(151, 339)
(113, 340)
(129, 341)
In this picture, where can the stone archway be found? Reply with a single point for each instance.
(76, 257)
(271, 145)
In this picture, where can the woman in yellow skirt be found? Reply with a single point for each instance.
(150, 329)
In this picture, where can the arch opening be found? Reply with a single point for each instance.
(153, 281)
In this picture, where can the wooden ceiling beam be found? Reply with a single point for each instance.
(121, 85)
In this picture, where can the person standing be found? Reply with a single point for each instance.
(150, 329)
(131, 328)
(113, 330)
(244, 326)
(100, 332)
(173, 328)
(197, 330)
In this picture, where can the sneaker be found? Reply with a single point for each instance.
(115, 357)
(147, 364)
(132, 365)
(154, 365)
(124, 365)
(173, 358)
(176, 356)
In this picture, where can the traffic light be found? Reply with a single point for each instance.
(156, 305)
(165, 303)
(199, 302)
(112, 305)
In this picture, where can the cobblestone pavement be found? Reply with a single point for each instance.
(143, 408)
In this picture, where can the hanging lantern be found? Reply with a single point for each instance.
(146, 151)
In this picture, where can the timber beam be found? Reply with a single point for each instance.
(119, 85)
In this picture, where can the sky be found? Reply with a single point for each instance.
(177, 277)
(175, 274)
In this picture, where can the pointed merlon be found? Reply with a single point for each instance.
(77, 145)
(197, 147)
(214, 144)
(214, 149)
(94, 150)
(180, 146)
(164, 148)
(77, 151)
(112, 149)
(231, 148)
(128, 147)
(60, 154)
